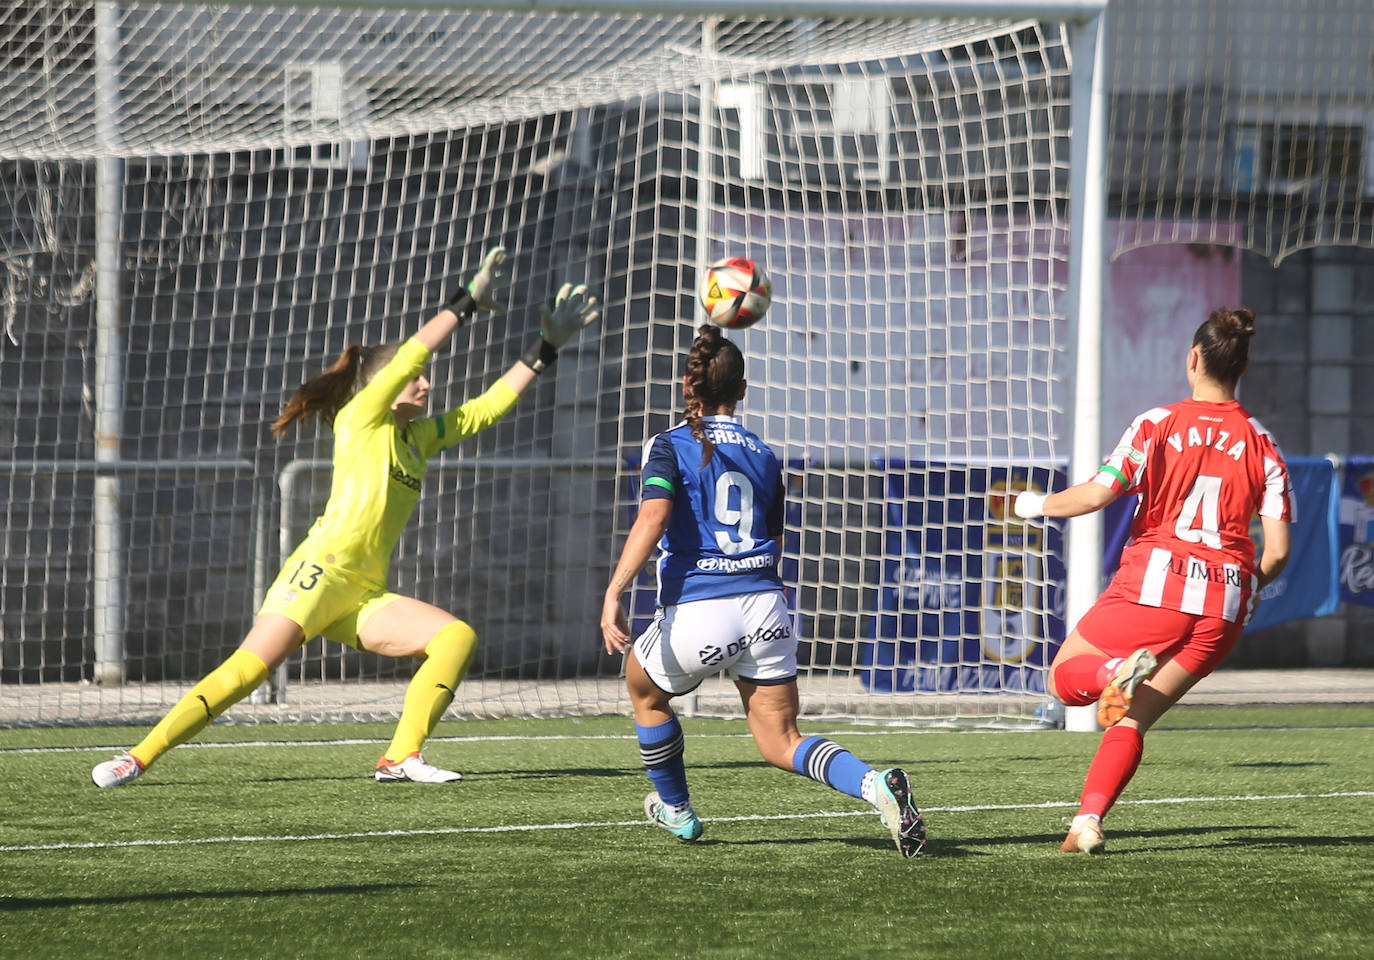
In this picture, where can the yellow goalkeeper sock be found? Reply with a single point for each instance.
(431, 690)
(222, 687)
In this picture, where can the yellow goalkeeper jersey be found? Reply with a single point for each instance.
(378, 468)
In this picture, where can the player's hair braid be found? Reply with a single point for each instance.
(325, 393)
(715, 370)
(1224, 342)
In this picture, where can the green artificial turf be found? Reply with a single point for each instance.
(1245, 834)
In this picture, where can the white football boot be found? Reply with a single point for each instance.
(117, 772)
(414, 769)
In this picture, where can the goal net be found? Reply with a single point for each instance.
(201, 206)
(1243, 123)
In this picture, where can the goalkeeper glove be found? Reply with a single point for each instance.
(477, 295)
(572, 310)
(1029, 505)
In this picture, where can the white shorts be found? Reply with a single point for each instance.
(749, 636)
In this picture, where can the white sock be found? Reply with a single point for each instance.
(869, 788)
(1083, 818)
(676, 810)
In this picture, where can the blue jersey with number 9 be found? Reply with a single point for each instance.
(724, 535)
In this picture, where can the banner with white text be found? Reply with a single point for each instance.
(1356, 536)
(971, 598)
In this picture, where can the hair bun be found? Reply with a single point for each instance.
(709, 339)
(1237, 323)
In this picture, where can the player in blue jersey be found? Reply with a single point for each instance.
(713, 503)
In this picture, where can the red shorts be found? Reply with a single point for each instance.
(1118, 626)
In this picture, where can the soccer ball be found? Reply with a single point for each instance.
(735, 293)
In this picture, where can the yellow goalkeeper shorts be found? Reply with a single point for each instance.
(324, 600)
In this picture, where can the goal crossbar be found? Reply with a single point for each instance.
(1066, 11)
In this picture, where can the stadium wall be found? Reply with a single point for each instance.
(1311, 382)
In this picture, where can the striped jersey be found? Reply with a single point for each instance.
(725, 530)
(1202, 470)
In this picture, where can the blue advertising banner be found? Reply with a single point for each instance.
(1307, 586)
(971, 599)
(1356, 526)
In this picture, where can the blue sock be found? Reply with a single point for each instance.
(660, 748)
(825, 761)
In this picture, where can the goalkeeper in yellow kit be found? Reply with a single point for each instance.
(334, 583)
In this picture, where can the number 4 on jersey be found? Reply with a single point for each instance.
(1201, 506)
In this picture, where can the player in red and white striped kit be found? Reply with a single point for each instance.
(1189, 578)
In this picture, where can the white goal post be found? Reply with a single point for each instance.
(201, 205)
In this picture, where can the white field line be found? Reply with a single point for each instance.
(536, 738)
(604, 824)
(531, 738)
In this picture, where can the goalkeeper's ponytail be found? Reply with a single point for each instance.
(324, 394)
(715, 372)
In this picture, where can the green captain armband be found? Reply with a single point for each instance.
(1113, 471)
(660, 482)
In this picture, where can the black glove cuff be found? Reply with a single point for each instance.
(540, 356)
(462, 303)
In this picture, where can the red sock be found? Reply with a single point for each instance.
(1079, 681)
(1113, 765)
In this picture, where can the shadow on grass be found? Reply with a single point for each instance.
(524, 773)
(1258, 836)
(182, 779)
(1300, 842)
(469, 773)
(47, 903)
(1112, 835)
(349, 778)
(882, 842)
(948, 848)
(638, 771)
(1255, 835)
(935, 848)
(529, 774)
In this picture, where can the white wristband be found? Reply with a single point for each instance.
(1029, 505)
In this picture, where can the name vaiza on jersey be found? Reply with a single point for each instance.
(1196, 439)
